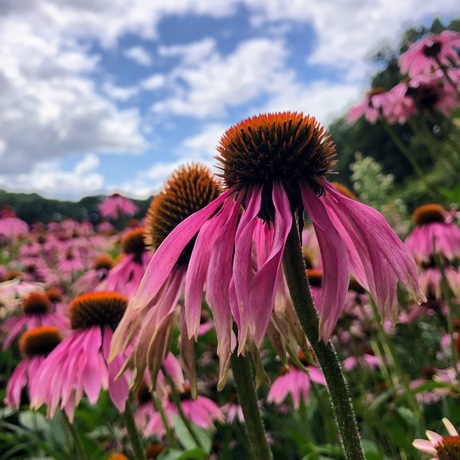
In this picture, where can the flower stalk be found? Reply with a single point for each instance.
(294, 269)
(245, 386)
(133, 434)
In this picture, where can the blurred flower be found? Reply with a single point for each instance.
(79, 363)
(432, 234)
(36, 312)
(426, 54)
(34, 346)
(116, 206)
(295, 382)
(371, 107)
(443, 448)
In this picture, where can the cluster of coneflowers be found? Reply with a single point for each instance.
(267, 255)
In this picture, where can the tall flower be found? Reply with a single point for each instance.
(273, 167)
(189, 189)
(34, 346)
(79, 363)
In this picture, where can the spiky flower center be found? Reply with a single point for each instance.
(104, 261)
(54, 294)
(143, 395)
(39, 341)
(133, 241)
(152, 451)
(284, 146)
(97, 309)
(189, 189)
(428, 214)
(448, 448)
(36, 303)
(315, 277)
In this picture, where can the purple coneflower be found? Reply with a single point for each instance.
(116, 206)
(34, 346)
(428, 52)
(188, 190)
(36, 312)
(273, 167)
(433, 235)
(79, 363)
(441, 447)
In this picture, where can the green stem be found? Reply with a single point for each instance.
(406, 153)
(169, 434)
(294, 269)
(177, 403)
(401, 376)
(133, 434)
(245, 385)
(77, 442)
(446, 295)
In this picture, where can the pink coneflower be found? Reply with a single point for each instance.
(116, 206)
(273, 167)
(11, 227)
(126, 275)
(366, 360)
(371, 107)
(89, 281)
(443, 448)
(79, 363)
(232, 410)
(34, 346)
(36, 312)
(425, 55)
(432, 235)
(295, 382)
(188, 190)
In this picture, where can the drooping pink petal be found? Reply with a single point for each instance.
(169, 251)
(265, 282)
(172, 366)
(16, 383)
(242, 264)
(335, 263)
(95, 369)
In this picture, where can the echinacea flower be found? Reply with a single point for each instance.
(273, 167)
(188, 190)
(431, 50)
(371, 107)
(433, 235)
(295, 382)
(36, 312)
(116, 206)
(34, 346)
(79, 363)
(126, 275)
(440, 447)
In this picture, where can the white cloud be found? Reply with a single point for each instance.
(118, 93)
(48, 179)
(139, 55)
(191, 53)
(207, 87)
(154, 82)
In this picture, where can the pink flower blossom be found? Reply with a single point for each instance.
(422, 56)
(438, 445)
(35, 345)
(266, 178)
(297, 383)
(78, 365)
(432, 235)
(116, 206)
(371, 107)
(36, 312)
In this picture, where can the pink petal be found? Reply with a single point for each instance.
(335, 263)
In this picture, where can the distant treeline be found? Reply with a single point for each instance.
(32, 207)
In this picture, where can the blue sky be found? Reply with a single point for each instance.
(101, 96)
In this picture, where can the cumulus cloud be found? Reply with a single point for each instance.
(139, 55)
(49, 179)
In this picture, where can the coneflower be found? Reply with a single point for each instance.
(79, 364)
